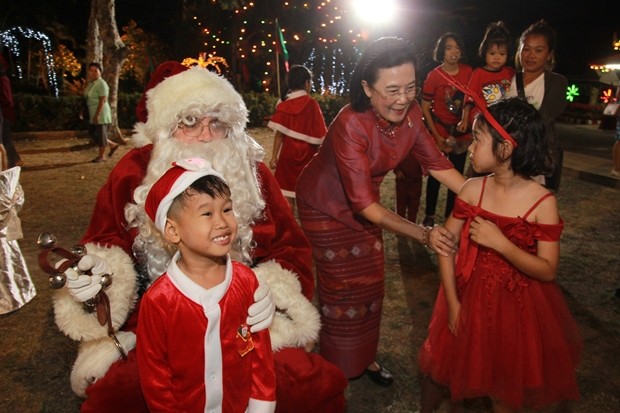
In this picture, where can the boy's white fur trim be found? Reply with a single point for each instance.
(297, 321)
(78, 324)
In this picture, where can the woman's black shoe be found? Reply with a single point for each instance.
(382, 377)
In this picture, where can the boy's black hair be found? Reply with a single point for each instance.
(97, 65)
(210, 185)
(526, 126)
(383, 53)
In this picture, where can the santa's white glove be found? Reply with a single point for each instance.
(83, 287)
(261, 313)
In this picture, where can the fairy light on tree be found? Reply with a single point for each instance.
(9, 38)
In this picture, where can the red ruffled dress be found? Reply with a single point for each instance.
(516, 341)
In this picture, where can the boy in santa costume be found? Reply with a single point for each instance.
(120, 240)
(195, 351)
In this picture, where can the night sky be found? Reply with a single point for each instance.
(585, 28)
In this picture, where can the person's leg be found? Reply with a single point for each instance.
(11, 153)
(401, 199)
(100, 140)
(414, 184)
(616, 150)
(431, 395)
(499, 407)
(432, 193)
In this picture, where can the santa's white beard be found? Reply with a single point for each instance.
(235, 158)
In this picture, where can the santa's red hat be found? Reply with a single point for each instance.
(172, 183)
(162, 71)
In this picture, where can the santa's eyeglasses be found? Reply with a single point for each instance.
(193, 128)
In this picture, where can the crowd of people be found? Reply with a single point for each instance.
(212, 299)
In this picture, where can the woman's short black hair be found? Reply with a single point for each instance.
(296, 79)
(526, 126)
(383, 53)
(97, 65)
(440, 47)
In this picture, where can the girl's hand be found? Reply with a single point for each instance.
(454, 311)
(442, 241)
(485, 233)
(272, 163)
(462, 126)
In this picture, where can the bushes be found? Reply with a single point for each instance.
(47, 113)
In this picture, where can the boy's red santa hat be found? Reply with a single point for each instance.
(173, 183)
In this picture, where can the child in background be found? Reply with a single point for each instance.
(501, 327)
(195, 352)
(441, 105)
(299, 130)
(491, 81)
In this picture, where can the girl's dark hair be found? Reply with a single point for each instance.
(210, 185)
(544, 29)
(383, 53)
(440, 47)
(97, 65)
(296, 79)
(496, 34)
(526, 126)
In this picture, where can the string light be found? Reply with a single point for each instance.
(9, 39)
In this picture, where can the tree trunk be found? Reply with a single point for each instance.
(105, 46)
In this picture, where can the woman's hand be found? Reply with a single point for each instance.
(272, 163)
(442, 241)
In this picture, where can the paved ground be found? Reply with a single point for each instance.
(60, 185)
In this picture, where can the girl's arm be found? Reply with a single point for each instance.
(541, 266)
(277, 144)
(448, 279)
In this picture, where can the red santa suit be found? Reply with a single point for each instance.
(280, 257)
(191, 355)
(300, 120)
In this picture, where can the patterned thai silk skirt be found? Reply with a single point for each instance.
(350, 281)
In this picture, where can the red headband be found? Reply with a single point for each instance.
(481, 104)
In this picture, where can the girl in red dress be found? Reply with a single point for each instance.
(501, 327)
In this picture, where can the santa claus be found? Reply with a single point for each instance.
(120, 240)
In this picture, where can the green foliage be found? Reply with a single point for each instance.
(40, 113)
(331, 105)
(260, 106)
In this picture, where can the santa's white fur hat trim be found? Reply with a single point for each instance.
(197, 90)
